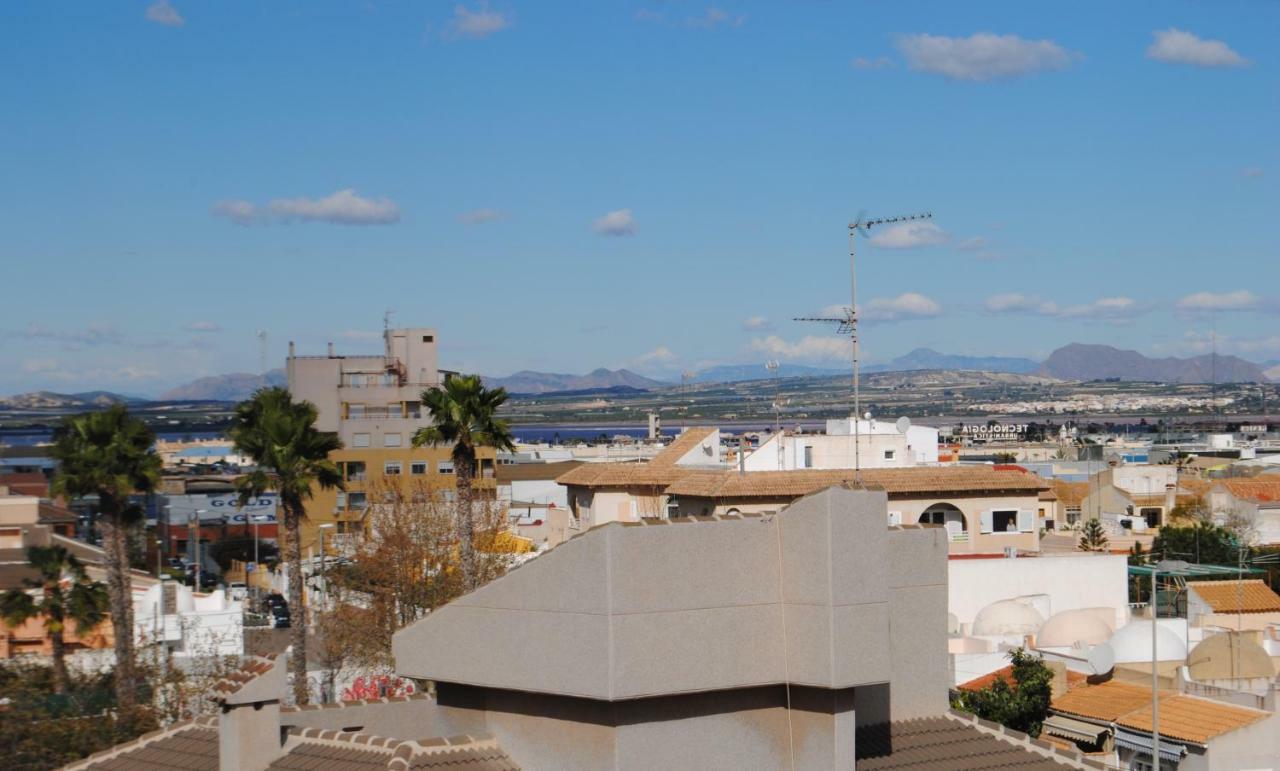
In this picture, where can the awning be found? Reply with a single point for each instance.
(1075, 730)
(1142, 743)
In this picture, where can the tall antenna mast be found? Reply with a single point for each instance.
(773, 365)
(848, 323)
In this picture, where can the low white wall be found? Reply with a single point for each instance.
(1070, 581)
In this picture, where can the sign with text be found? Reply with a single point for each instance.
(214, 508)
(995, 433)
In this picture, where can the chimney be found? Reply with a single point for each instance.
(330, 350)
(291, 349)
(1170, 500)
(249, 734)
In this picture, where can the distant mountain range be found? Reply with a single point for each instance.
(528, 382)
(927, 358)
(733, 373)
(1096, 362)
(223, 388)
(38, 400)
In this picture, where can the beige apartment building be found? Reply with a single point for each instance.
(374, 404)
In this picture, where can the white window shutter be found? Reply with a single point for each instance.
(1026, 521)
(986, 523)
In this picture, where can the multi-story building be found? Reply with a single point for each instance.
(874, 444)
(374, 404)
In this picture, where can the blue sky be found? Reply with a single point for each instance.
(660, 185)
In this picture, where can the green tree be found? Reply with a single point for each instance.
(1021, 702)
(109, 454)
(1203, 543)
(1093, 536)
(464, 415)
(292, 458)
(81, 601)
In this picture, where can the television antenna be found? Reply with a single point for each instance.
(773, 365)
(386, 319)
(262, 352)
(847, 322)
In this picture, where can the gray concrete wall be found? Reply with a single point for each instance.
(918, 621)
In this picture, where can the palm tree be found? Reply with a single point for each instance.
(109, 454)
(464, 414)
(292, 458)
(82, 601)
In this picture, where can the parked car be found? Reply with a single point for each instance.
(280, 616)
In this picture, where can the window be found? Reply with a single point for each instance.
(418, 467)
(1004, 521)
(390, 440)
(391, 468)
(428, 338)
(445, 467)
(888, 454)
(808, 457)
(355, 470)
(355, 411)
(341, 501)
(357, 501)
(395, 410)
(359, 440)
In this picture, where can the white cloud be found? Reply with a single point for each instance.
(203, 326)
(478, 216)
(1114, 309)
(756, 323)
(479, 23)
(909, 235)
(714, 17)
(344, 207)
(908, 305)
(807, 348)
(982, 56)
(1179, 47)
(40, 365)
(161, 12)
(878, 63)
(616, 223)
(1239, 300)
(662, 355)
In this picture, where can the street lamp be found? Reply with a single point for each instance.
(159, 563)
(194, 522)
(1171, 567)
(324, 579)
(257, 565)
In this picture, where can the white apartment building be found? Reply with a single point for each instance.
(370, 400)
(878, 445)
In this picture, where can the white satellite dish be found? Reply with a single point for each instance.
(1101, 659)
(903, 424)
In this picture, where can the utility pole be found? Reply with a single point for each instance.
(847, 324)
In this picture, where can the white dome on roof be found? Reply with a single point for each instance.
(1007, 617)
(1132, 643)
(1069, 627)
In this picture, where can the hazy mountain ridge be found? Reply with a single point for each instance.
(927, 358)
(37, 400)
(530, 382)
(1079, 361)
(234, 387)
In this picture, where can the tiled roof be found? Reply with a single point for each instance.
(895, 481)
(1074, 678)
(1248, 596)
(314, 749)
(958, 743)
(520, 472)
(658, 472)
(191, 746)
(1106, 701)
(252, 668)
(1191, 718)
(50, 514)
(1259, 489)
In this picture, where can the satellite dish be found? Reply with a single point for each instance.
(903, 424)
(1101, 659)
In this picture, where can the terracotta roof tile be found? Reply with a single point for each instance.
(1070, 493)
(895, 481)
(1106, 701)
(1258, 489)
(185, 747)
(1006, 673)
(1191, 718)
(251, 669)
(1247, 596)
(945, 743)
